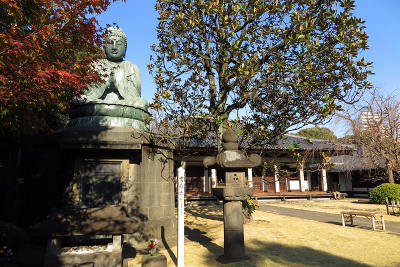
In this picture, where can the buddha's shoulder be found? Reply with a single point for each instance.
(129, 65)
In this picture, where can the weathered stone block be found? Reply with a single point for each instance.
(235, 178)
(165, 199)
(233, 230)
(156, 212)
(98, 259)
(166, 187)
(145, 195)
(168, 210)
(155, 261)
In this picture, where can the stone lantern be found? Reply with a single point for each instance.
(233, 164)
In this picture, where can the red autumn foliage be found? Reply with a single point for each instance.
(46, 50)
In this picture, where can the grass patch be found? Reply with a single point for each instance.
(276, 240)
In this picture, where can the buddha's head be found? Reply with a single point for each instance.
(115, 44)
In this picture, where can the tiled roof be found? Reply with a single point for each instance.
(304, 143)
(354, 162)
(287, 141)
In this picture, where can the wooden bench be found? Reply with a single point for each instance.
(377, 219)
(338, 195)
(394, 204)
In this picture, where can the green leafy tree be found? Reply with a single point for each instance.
(318, 133)
(347, 139)
(271, 64)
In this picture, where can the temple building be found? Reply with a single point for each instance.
(294, 166)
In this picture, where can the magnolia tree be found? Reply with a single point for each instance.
(375, 126)
(268, 65)
(46, 49)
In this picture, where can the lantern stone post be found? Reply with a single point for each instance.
(234, 165)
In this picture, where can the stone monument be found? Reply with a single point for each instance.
(117, 181)
(115, 101)
(233, 163)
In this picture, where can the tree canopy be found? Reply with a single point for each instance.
(270, 65)
(46, 49)
(318, 133)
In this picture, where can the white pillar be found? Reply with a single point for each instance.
(276, 179)
(206, 181)
(324, 182)
(263, 183)
(213, 178)
(301, 178)
(250, 176)
(181, 216)
(308, 174)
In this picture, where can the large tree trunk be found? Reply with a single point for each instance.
(221, 130)
(390, 174)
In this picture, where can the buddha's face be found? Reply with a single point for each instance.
(115, 48)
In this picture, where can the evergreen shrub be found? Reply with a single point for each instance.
(378, 194)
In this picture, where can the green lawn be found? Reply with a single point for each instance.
(275, 240)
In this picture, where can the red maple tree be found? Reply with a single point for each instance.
(46, 50)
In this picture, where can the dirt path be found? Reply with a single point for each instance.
(325, 217)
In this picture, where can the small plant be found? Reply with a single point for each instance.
(252, 204)
(153, 247)
(379, 193)
(248, 207)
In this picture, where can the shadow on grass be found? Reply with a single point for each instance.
(362, 225)
(206, 212)
(395, 234)
(287, 256)
(336, 223)
(167, 247)
(364, 201)
(199, 236)
(262, 252)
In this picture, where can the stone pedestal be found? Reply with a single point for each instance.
(233, 194)
(155, 261)
(233, 231)
(235, 164)
(101, 256)
(119, 185)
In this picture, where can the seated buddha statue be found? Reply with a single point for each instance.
(116, 100)
(122, 82)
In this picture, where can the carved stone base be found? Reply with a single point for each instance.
(107, 121)
(94, 114)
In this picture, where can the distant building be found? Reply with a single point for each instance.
(283, 175)
(369, 119)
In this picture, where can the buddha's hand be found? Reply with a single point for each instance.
(112, 81)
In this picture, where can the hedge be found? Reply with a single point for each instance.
(378, 194)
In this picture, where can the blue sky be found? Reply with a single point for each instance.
(139, 21)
